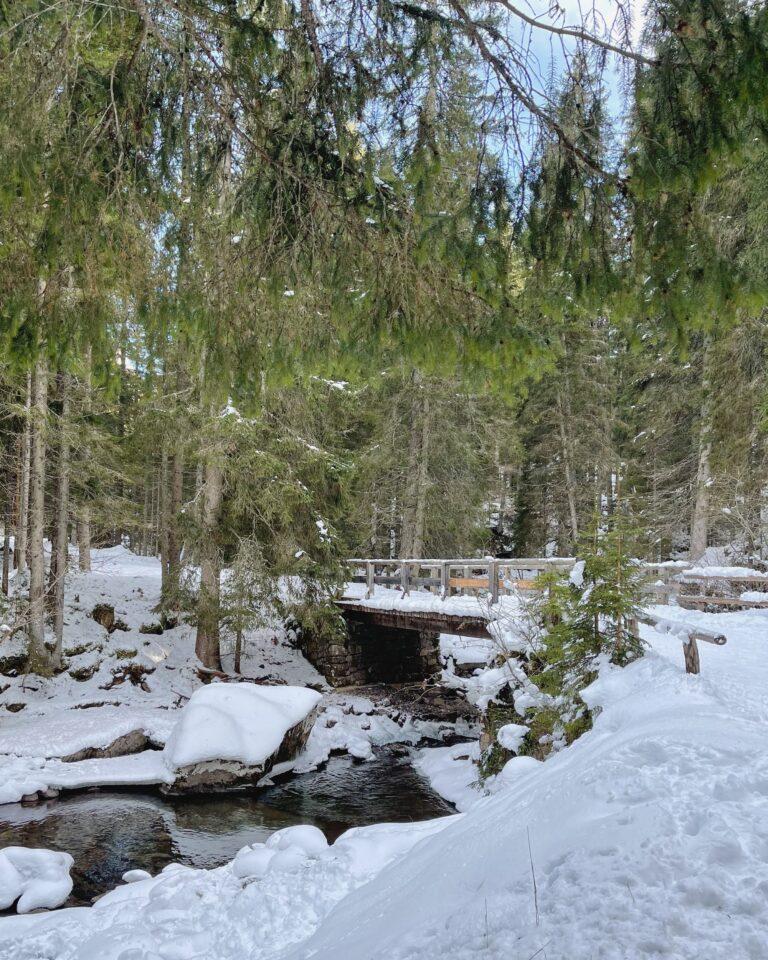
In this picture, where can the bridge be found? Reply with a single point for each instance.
(394, 611)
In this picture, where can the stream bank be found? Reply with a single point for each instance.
(109, 831)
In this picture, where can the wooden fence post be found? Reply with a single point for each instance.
(404, 578)
(444, 579)
(691, 654)
(493, 580)
(370, 572)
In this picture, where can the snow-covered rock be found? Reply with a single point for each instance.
(232, 734)
(304, 836)
(34, 879)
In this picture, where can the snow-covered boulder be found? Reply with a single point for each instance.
(284, 852)
(34, 879)
(233, 734)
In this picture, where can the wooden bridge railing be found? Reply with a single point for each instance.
(499, 577)
(496, 577)
(443, 577)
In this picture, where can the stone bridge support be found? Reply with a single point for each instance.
(374, 653)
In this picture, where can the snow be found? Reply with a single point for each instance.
(576, 576)
(76, 730)
(464, 650)
(240, 722)
(645, 839)
(28, 775)
(60, 716)
(511, 736)
(34, 879)
(452, 772)
(725, 572)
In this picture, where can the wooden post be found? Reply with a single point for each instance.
(444, 578)
(691, 654)
(404, 578)
(493, 580)
(370, 572)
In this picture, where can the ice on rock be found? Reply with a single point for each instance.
(37, 879)
(511, 736)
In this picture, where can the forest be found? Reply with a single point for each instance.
(286, 283)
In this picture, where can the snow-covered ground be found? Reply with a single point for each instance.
(96, 703)
(647, 838)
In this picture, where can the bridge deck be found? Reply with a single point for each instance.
(426, 621)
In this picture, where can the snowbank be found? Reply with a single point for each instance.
(34, 879)
(645, 839)
(272, 895)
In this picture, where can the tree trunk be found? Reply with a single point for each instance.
(174, 542)
(408, 522)
(39, 656)
(700, 518)
(164, 506)
(7, 521)
(84, 519)
(422, 486)
(568, 469)
(207, 640)
(22, 521)
(62, 521)
(238, 649)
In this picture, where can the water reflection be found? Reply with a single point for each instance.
(108, 833)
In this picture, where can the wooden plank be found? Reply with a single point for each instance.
(481, 583)
(693, 603)
(468, 583)
(700, 578)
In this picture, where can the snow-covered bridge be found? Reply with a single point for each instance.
(395, 610)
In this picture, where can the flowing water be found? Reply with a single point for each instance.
(109, 832)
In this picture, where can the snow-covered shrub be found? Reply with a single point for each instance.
(581, 620)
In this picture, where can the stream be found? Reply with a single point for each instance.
(110, 831)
